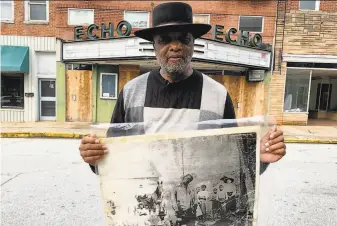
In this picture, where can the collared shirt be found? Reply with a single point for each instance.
(184, 195)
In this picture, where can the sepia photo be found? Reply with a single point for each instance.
(207, 177)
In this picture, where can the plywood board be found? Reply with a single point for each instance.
(79, 95)
(127, 73)
(148, 175)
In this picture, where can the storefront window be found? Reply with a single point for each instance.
(109, 85)
(297, 90)
(12, 91)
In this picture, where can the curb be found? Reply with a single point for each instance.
(80, 135)
(41, 135)
(310, 140)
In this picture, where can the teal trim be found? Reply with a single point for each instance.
(14, 59)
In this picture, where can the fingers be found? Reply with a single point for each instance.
(275, 134)
(277, 140)
(91, 149)
(90, 153)
(93, 159)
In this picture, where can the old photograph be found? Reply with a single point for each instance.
(207, 177)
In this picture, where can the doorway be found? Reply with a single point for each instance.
(47, 99)
(323, 96)
(79, 96)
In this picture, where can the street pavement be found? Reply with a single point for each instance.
(45, 182)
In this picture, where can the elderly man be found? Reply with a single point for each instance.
(176, 93)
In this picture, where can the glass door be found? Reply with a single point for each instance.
(47, 99)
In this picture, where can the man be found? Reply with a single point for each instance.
(176, 93)
(183, 200)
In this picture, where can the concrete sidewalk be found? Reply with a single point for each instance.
(293, 134)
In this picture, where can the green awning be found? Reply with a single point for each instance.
(14, 59)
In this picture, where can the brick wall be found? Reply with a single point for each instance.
(224, 13)
(300, 32)
(324, 5)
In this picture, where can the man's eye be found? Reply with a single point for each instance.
(185, 40)
(165, 39)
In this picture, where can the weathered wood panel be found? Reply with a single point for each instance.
(127, 73)
(79, 96)
(248, 98)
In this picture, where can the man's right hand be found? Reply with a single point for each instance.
(92, 149)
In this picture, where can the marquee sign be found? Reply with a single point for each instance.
(124, 28)
(205, 50)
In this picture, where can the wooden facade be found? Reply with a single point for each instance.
(79, 96)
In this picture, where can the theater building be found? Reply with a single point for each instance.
(104, 64)
(88, 72)
(304, 79)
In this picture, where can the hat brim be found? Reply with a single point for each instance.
(197, 30)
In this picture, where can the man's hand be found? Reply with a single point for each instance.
(92, 150)
(272, 146)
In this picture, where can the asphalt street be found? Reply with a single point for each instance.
(45, 182)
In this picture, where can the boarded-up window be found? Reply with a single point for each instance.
(46, 63)
(138, 19)
(109, 85)
(201, 18)
(7, 11)
(80, 16)
(251, 23)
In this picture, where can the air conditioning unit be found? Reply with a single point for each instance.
(255, 75)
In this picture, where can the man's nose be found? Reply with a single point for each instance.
(175, 46)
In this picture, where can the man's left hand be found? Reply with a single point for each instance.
(272, 147)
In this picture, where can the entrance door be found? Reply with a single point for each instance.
(47, 99)
(323, 96)
(79, 96)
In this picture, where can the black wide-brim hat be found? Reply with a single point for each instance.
(173, 17)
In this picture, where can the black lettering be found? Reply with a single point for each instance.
(90, 30)
(109, 31)
(78, 33)
(230, 32)
(120, 26)
(243, 38)
(256, 41)
(217, 30)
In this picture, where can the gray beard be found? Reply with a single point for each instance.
(177, 71)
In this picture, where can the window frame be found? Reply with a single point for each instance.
(101, 87)
(138, 11)
(9, 20)
(317, 5)
(284, 91)
(203, 14)
(256, 32)
(19, 75)
(84, 9)
(28, 20)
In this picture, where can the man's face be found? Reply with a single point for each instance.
(221, 187)
(187, 179)
(174, 52)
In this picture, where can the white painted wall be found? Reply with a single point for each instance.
(35, 44)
